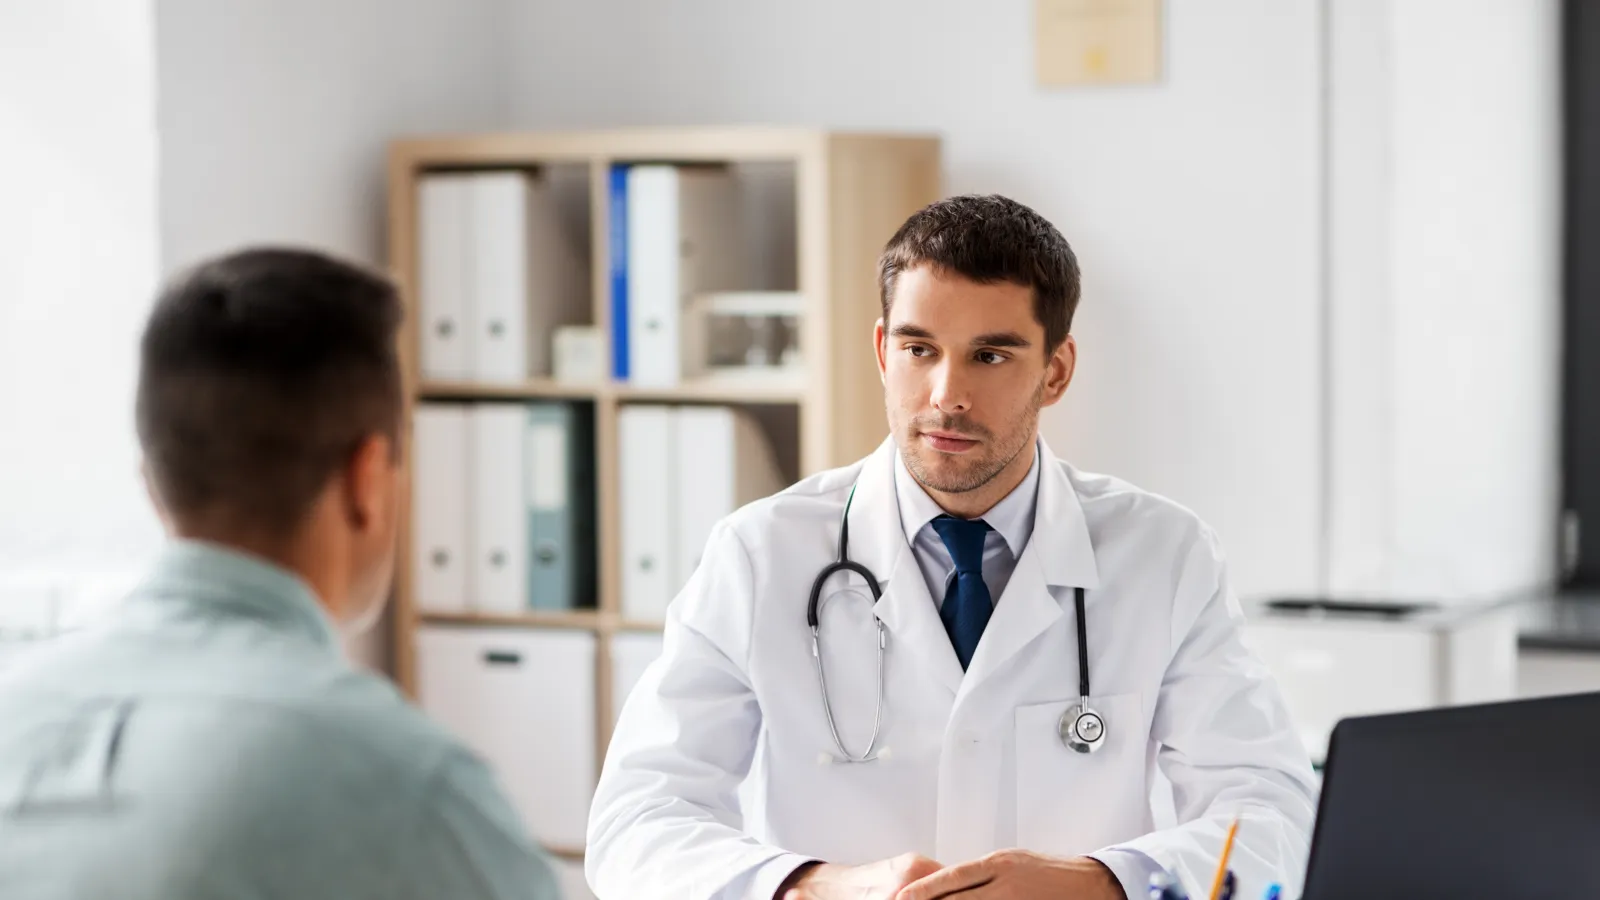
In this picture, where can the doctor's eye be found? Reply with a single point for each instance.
(990, 358)
(918, 351)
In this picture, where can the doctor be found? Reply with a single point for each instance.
(939, 743)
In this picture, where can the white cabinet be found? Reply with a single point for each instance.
(524, 700)
(1332, 666)
(631, 654)
(569, 874)
(1546, 673)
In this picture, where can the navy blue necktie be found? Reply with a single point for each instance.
(967, 605)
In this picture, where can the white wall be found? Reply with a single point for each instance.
(275, 114)
(1476, 291)
(77, 267)
(1193, 205)
(1446, 296)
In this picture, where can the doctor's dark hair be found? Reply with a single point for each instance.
(989, 239)
(260, 373)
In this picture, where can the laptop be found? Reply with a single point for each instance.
(1490, 801)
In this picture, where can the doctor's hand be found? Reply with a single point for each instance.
(1019, 875)
(881, 880)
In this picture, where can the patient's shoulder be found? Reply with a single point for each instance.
(363, 716)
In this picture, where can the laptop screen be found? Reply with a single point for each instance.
(1494, 801)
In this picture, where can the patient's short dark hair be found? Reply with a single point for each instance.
(260, 372)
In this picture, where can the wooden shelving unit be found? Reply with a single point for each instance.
(687, 392)
(586, 619)
(850, 192)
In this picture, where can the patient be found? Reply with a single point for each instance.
(208, 739)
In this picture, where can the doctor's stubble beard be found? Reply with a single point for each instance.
(978, 472)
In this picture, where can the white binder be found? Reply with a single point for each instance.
(444, 281)
(723, 462)
(499, 266)
(683, 239)
(646, 469)
(524, 700)
(631, 654)
(499, 532)
(682, 470)
(439, 507)
(528, 276)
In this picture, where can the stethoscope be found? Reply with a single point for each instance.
(1080, 728)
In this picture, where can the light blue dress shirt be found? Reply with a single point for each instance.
(1011, 526)
(1010, 523)
(209, 740)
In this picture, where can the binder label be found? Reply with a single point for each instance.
(547, 467)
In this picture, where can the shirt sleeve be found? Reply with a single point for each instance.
(471, 843)
(1131, 868)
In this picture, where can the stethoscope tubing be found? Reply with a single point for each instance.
(843, 563)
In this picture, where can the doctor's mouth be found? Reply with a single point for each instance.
(949, 441)
(949, 433)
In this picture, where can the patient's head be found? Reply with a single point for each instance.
(269, 412)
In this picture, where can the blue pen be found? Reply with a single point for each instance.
(1273, 893)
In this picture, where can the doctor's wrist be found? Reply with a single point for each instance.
(798, 878)
(830, 881)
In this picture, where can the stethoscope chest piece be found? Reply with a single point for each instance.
(1081, 728)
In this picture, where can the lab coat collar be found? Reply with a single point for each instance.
(1011, 518)
(1058, 558)
(1059, 554)
(878, 542)
(1060, 530)
(207, 581)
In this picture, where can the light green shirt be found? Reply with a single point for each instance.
(209, 740)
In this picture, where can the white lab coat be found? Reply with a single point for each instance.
(972, 761)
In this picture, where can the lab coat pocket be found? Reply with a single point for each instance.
(1070, 803)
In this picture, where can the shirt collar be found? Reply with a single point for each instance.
(218, 581)
(1012, 517)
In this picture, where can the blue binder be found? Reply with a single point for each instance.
(617, 247)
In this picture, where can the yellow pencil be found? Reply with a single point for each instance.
(1222, 864)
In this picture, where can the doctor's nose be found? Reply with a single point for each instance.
(949, 392)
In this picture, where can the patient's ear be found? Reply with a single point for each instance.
(371, 481)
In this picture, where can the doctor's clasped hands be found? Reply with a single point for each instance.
(1002, 875)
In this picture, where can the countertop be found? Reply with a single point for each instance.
(1566, 621)
(1562, 621)
(1381, 613)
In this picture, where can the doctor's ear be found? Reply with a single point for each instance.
(1058, 370)
(878, 347)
